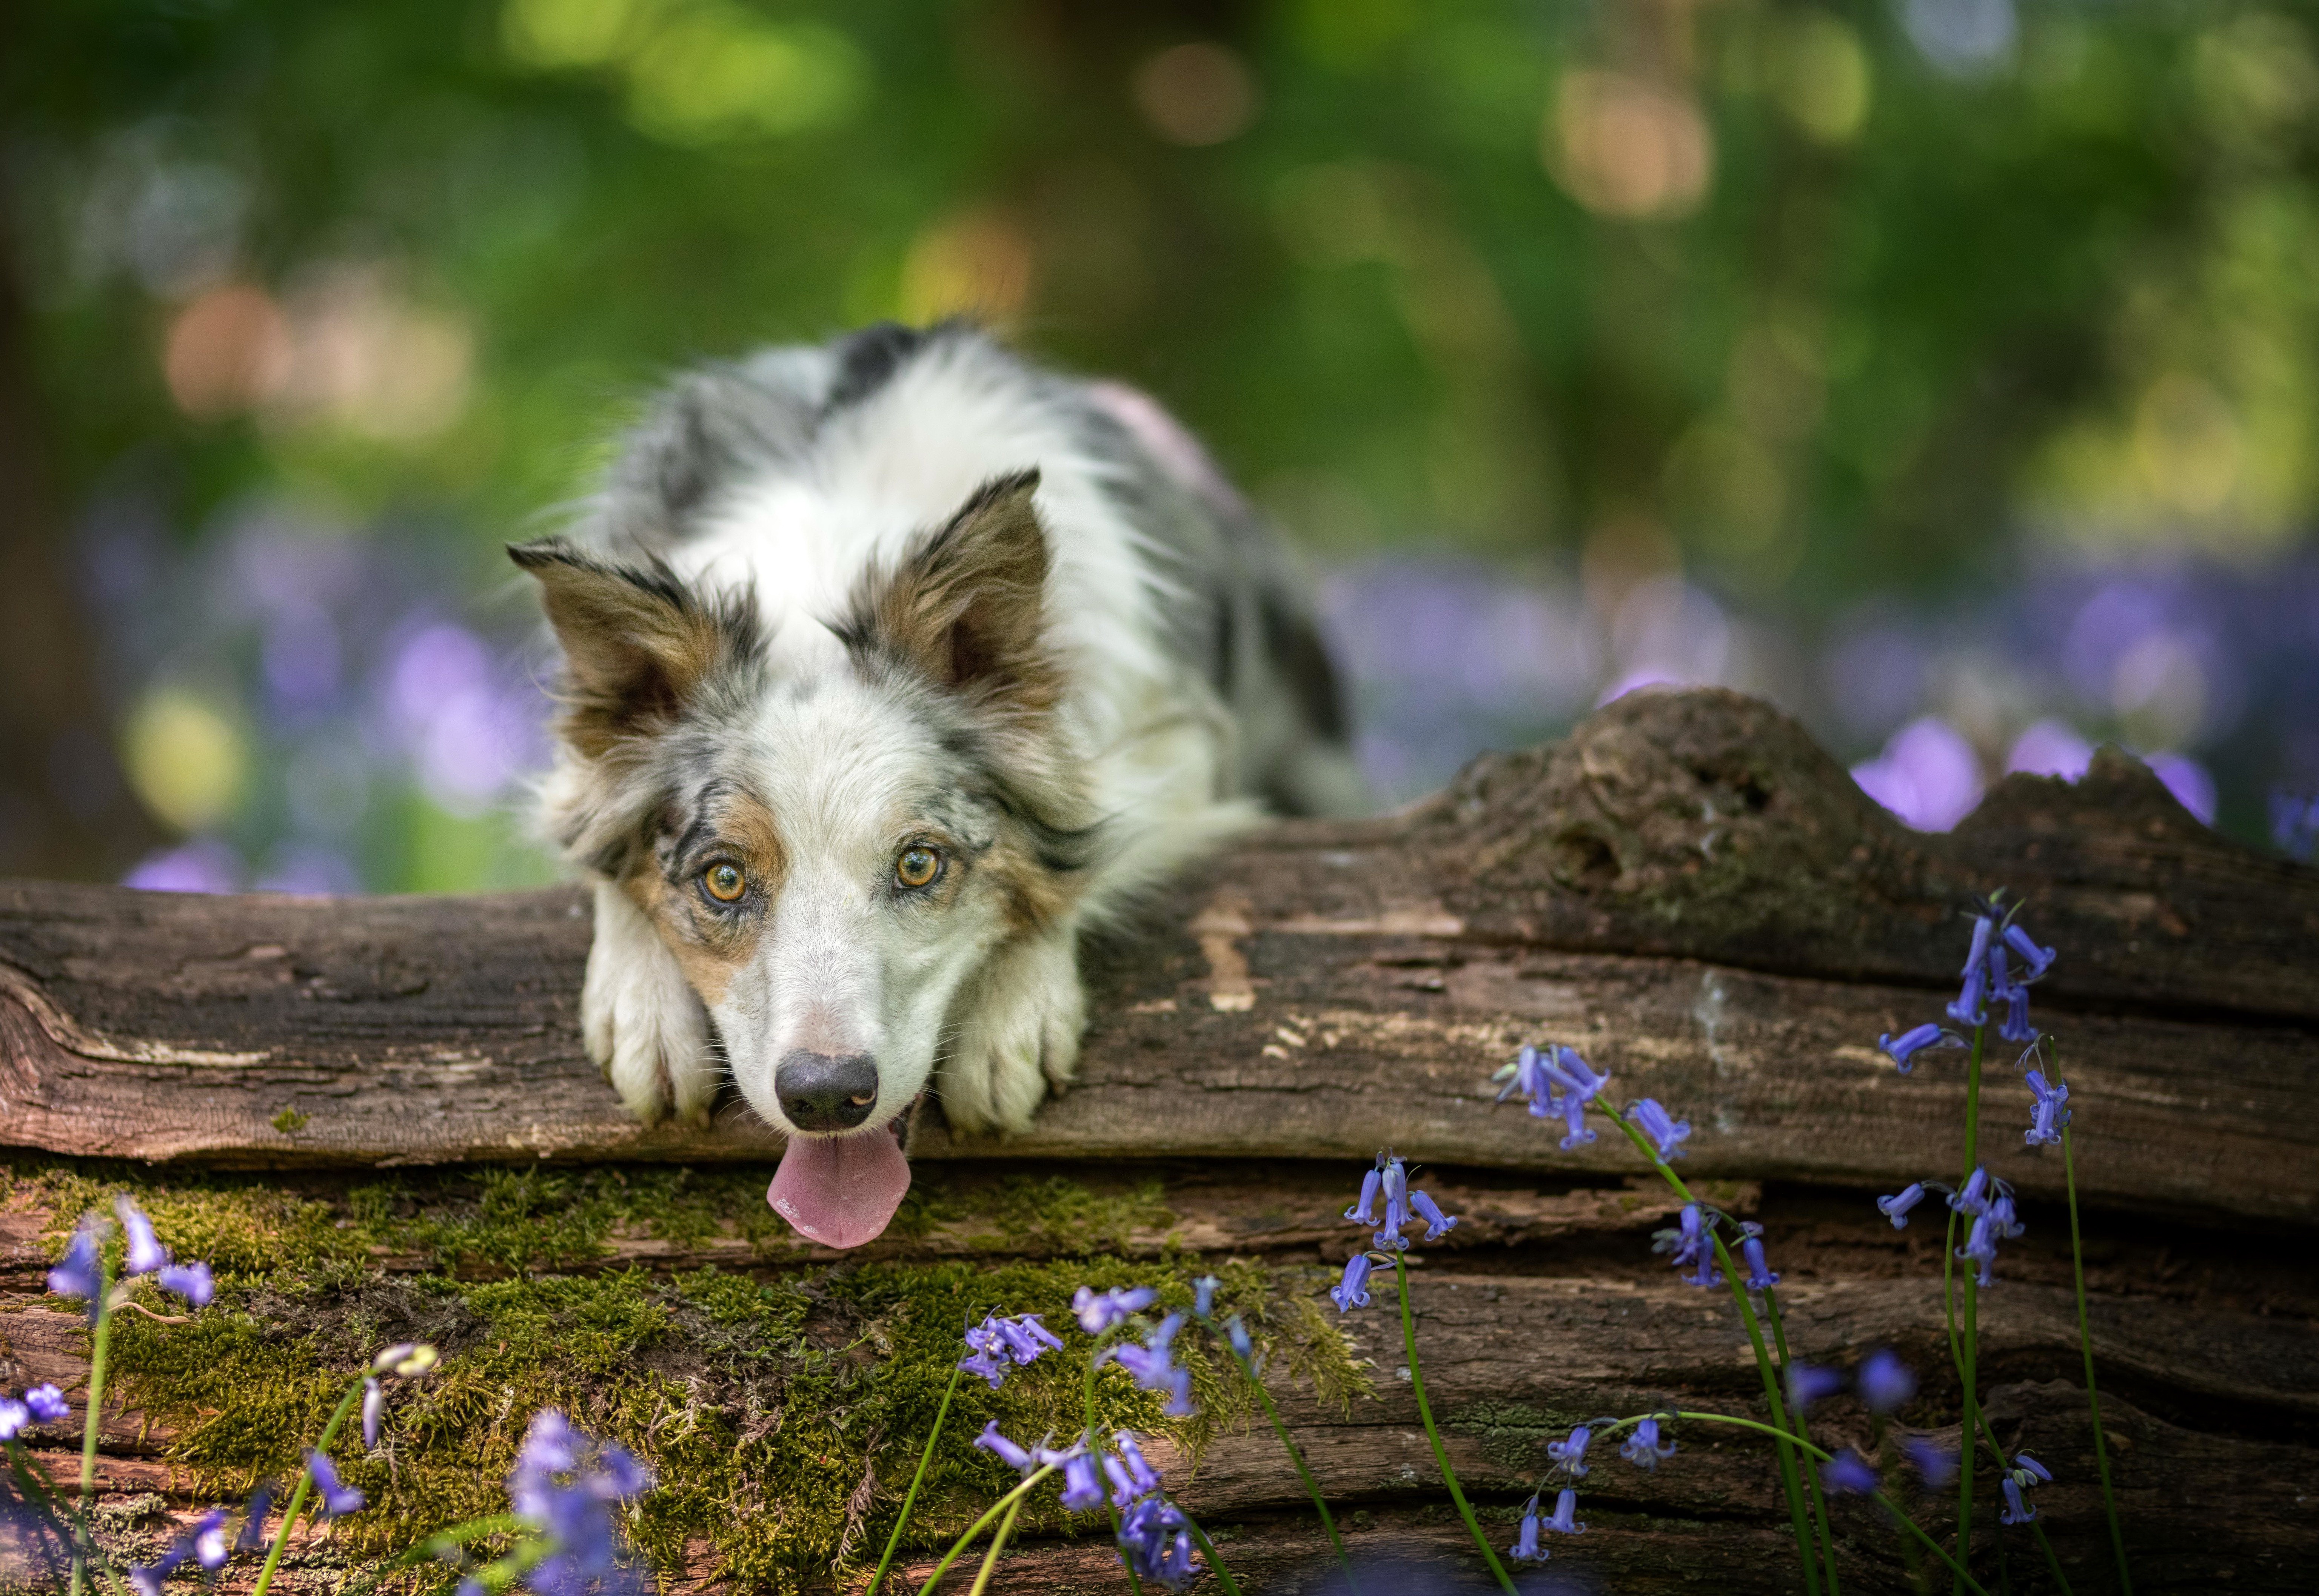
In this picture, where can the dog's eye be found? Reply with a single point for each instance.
(724, 882)
(917, 866)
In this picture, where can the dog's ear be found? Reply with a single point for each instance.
(639, 643)
(965, 608)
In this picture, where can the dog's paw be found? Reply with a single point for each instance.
(1021, 1035)
(641, 1021)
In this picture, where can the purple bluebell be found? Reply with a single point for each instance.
(1526, 1548)
(207, 1539)
(1972, 1197)
(1014, 1457)
(1664, 1129)
(1236, 1333)
(1565, 1506)
(1574, 1076)
(1896, 1207)
(1884, 1382)
(1981, 1248)
(373, 1408)
(2032, 1471)
(986, 1355)
(336, 1499)
(1132, 1478)
(14, 1417)
(1937, 1465)
(1571, 1452)
(1082, 1482)
(1353, 1291)
(1760, 1276)
(48, 1404)
(2039, 960)
(1808, 1383)
(2001, 1215)
(1099, 1310)
(148, 1580)
(1966, 1010)
(1396, 1207)
(252, 1534)
(577, 1517)
(145, 1253)
(1436, 1223)
(2052, 1111)
(1904, 1048)
(79, 1274)
(1364, 1213)
(2015, 1027)
(1691, 1243)
(1575, 1131)
(190, 1281)
(1204, 1296)
(1156, 1544)
(1527, 1076)
(1643, 1448)
(1027, 1338)
(1983, 927)
(2016, 1511)
(1848, 1474)
(1153, 1366)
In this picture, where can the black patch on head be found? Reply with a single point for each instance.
(707, 428)
(867, 361)
(1298, 654)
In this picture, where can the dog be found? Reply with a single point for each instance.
(890, 665)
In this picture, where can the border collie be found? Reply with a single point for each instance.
(889, 666)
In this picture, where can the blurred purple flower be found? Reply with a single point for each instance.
(1808, 1383)
(201, 865)
(1937, 1465)
(1928, 775)
(2188, 781)
(1848, 1474)
(2051, 748)
(1884, 1382)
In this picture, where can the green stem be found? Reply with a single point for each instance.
(2093, 1399)
(99, 1344)
(2052, 1561)
(1441, 1453)
(1820, 1514)
(1110, 1508)
(997, 1545)
(1790, 1480)
(895, 1540)
(306, 1487)
(1011, 1498)
(1209, 1546)
(1967, 1347)
(1312, 1486)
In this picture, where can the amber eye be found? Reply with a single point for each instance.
(724, 882)
(917, 866)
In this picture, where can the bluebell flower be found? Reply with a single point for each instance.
(1204, 1296)
(2014, 1026)
(79, 1273)
(1981, 1248)
(2032, 1471)
(1574, 1076)
(1016, 1457)
(148, 1580)
(1905, 1047)
(1153, 1366)
(1082, 1482)
(1364, 1213)
(1896, 1207)
(564, 1485)
(1099, 1310)
(1983, 927)
(1525, 1548)
(1575, 1131)
(986, 1355)
(2015, 1511)
(1973, 1196)
(1667, 1131)
(1527, 1076)
(1643, 1447)
(146, 1253)
(1436, 1223)
(1936, 1464)
(1884, 1382)
(1396, 1207)
(1353, 1291)
(189, 1281)
(1967, 1010)
(1132, 1478)
(373, 1408)
(1808, 1383)
(48, 1404)
(1571, 1453)
(2039, 960)
(1565, 1505)
(2052, 1111)
(336, 1499)
(1155, 1543)
(14, 1417)
(1691, 1243)
(1242, 1347)
(2001, 1216)
(1026, 1339)
(1848, 1474)
(207, 1539)
(1760, 1276)
(253, 1520)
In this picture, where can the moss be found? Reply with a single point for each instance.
(781, 1413)
(289, 1122)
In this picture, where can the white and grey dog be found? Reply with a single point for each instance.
(890, 665)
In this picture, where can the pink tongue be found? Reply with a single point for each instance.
(840, 1191)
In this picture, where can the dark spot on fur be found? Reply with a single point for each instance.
(1302, 660)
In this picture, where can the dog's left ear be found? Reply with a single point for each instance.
(639, 643)
(965, 608)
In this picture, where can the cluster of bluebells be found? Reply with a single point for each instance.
(565, 1486)
(1691, 1243)
(1155, 1539)
(81, 1271)
(1403, 1206)
(996, 1344)
(43, 1404)
(2025, 1473)
(1643, 1448)
(1557, 1082)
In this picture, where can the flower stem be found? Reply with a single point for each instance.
(1110, 1508)
(997, 1544)
(99, 1344)
(1209, 1546)
(1820, 1514)
(2052, 1562)
(1790, 1480)
(1966, 1347)
(1312, 1486)
(1441, 1453)
(306, 1487)
(895, 1540)
(2093, 1398)
(1012, 1499)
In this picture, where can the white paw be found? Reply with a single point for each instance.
(641, 1021)
(1020, 1034)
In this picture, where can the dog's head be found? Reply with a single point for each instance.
(831, 836)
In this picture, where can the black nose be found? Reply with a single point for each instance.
(823, 1092)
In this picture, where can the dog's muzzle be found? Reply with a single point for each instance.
(826, 1092)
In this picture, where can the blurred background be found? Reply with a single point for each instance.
(1945, 370)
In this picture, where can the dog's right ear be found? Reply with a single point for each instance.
(639, 643)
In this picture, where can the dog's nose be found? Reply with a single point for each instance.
(825, 1091)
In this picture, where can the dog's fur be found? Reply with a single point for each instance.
(904, 591)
